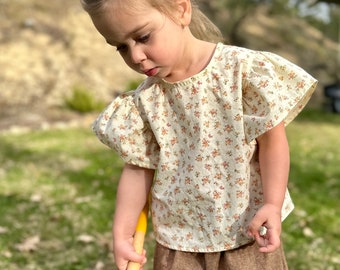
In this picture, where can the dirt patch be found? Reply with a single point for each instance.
(47, 49)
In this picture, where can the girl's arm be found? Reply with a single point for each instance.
(133, 190)
(274, 165)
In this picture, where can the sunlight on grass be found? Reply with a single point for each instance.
(57, 193)
(56, 187)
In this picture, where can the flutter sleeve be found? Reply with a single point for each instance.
(274, 90)
(121, 127)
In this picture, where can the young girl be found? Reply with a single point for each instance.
(210, 120)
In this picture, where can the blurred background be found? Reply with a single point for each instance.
(50, 51)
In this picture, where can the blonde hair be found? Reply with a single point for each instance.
(201, 26)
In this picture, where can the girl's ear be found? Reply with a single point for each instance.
(185, 12)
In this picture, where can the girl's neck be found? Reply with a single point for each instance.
(196, 56)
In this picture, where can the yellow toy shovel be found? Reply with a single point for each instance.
(138, 239)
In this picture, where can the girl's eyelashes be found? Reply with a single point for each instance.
(144, 38)
(121, 48)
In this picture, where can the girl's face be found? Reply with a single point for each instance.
(149, 42)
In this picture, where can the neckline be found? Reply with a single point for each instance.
(197, 75)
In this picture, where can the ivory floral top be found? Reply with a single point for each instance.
(200, 135)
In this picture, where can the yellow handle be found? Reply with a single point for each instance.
(138, 239)
(143, 219)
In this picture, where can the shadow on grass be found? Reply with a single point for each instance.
(319, 185)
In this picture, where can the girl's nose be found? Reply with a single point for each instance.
(137, 55)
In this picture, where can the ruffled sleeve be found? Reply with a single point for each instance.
(274, 90)
(121, 127)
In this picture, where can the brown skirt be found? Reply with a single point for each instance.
(246, 257)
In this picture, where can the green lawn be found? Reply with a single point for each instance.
(57, 191)
(312, 233)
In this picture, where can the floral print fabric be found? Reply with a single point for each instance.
(200, 135)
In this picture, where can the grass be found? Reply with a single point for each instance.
(57, 191)
(56, 185)
(83, 101)
(311, 234)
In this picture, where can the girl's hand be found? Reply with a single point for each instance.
(133, 191)
(124, 252)
(268, 216)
